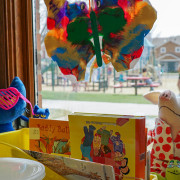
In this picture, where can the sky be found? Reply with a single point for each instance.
(168, 18)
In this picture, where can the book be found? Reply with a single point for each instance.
(49, 136)
(74, 169)
(116, 140)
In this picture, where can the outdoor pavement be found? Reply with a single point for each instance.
(148, 110)
(102, 107)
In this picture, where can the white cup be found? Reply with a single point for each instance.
(21, 169)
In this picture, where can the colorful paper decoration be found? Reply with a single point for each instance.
(111, 30)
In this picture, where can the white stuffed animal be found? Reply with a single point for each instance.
(166, 134)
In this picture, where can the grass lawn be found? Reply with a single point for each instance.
(116, 98)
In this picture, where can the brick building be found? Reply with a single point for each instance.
(167, 52)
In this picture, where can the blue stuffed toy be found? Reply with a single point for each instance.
(8, 116)
(17, 111)
(40, 113)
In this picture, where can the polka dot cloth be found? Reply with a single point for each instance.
(164, 149)
(177, 146)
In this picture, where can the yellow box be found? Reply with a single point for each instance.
(11, 144)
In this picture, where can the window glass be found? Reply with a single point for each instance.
(163, 50)
(110, 91)
(177, 49)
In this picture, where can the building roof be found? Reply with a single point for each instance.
(160, 41)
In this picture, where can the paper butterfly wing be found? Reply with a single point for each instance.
(68, 42)
(124, 24)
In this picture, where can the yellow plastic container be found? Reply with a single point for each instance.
(11, 144)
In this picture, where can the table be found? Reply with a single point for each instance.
(136, 79)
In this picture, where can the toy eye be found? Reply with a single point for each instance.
(178, 164)
(171, 162)
(83, 6)
(98, 3)
(170, 166)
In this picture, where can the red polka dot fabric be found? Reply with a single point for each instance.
(160, 139)
(169, 139)
(161, 156)
(168, 130)
(164, 149)
(177, 146)
(158, 148)
(159, 129)
(164, 164)
(164, 141)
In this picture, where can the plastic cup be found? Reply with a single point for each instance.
(21, 169)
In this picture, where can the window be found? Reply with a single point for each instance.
(163, 50)
(177, 49)
(107, 92)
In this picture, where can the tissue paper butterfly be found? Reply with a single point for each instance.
(112, 30)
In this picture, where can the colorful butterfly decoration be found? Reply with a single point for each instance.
(111, 30)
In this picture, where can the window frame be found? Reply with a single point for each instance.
(177, 51)
(163, 50)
